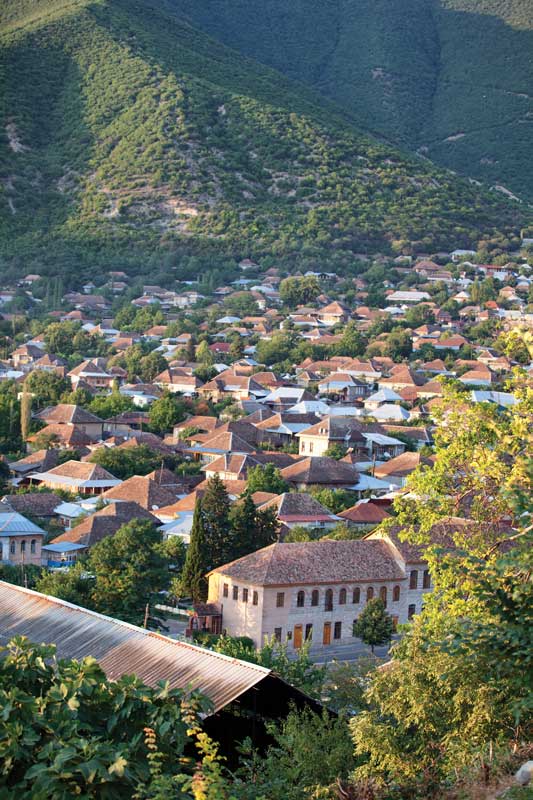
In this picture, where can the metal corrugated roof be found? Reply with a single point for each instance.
(121, 648)
(13, 523)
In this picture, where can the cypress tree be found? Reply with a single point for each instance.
(243, 519)
(193, 580)
(216, 507)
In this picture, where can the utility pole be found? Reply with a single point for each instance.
(146, 613)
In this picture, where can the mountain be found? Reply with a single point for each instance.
(452, 79)
(129, 137)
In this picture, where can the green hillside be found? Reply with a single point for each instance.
(128, 135)
(453, 78)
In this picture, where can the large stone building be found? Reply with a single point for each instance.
(301, 590)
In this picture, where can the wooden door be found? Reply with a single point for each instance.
(326, 636)
(297, 636)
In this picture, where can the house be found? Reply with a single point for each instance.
(397, 470)
(143, 490)
(299, 509)
(364, 514)
(227, 384)
(320, 471)
(380, 397)
(366, 441)
(343, 387)
(302, 591)
(92, 373)
(103, 523)
(334, 313)
(77, 477)
(25, 356)
(20, 539)
(73, 415)
(176, 381)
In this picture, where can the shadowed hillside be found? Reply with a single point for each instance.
(127, 132)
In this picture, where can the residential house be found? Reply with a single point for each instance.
(299, 509)
(20, 539)
(314, 591)
(78, 477)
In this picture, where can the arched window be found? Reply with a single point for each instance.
(413, 579)
(255, 598)
(328, 600)
(32, 546)
(23, 546)
(300, 599)
(356, 598)
(12, 548)
(383, 595)
(396, 594)
(369, 593)
(314, 597)
(342, 597)
(426, 580)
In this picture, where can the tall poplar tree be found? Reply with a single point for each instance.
(193, 580)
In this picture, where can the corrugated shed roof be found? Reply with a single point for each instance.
(121, 648)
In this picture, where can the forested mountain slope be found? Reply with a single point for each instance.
(452, 78)
(125, 132)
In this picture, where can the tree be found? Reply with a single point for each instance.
(374, 626)
(193, 580)
(59, 338)
(299, 291)
(352, 342)
(310, 754)
(129, 568)
(46, 387)
(204, 354)
(68, 731)
(25, 412)
(124, 462)
(445, 699)
(110, 405)
(336, 451)
(73, 585)
(151, 365)
(266, 478)
(166, 412)
(398, 345)
(250, 529)
(215, 513)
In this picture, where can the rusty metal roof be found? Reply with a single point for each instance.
(121, 648)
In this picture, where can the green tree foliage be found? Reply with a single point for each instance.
(124, 462)
(67, 731)
(73, 585)
(250, 529)
(216, 520)
(374, 626)
(336, 500)
(398, 345)
(266, 478)
(352, 342)
(297, 669)
(166, 412)
(446, 701)
(46, 387)
(276, 350)
(311, 756)
(110, 405)
(129, 568)
(336, 451)
(193, 582)
(299, 291)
